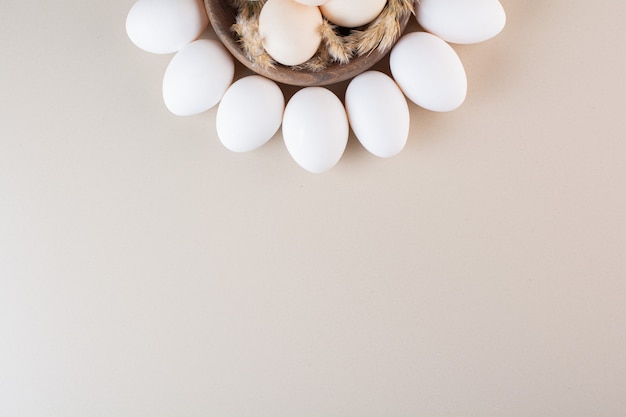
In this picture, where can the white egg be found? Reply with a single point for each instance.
(378, 113)
(315, 129)
(197, 77)
(250, 113)
(462, 21)
(352, 13)
(290, 31)
(312, 2)
(165, 26)
(429, 71)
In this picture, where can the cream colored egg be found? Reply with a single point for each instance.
(290, 31)
(165, 26)
(352, 13)
(428, 71)
(378, 113)
(197, 77)
(315, 129)
(312, 2)
(249, 114)
(462, 21)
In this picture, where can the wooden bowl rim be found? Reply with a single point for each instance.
(222, 17)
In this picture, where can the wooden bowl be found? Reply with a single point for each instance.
(222, 17)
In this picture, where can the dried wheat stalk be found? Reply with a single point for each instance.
(381, 34)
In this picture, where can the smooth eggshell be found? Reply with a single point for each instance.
(428, 71)
(250, 113)
(165, 26)
(352, 13)
(315, 129)
(197, 77)
(378, 113)
(290, 31)
(462, 21)
(312, 2)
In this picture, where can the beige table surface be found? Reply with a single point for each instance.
(147, 271)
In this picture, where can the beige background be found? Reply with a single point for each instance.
(147, 271)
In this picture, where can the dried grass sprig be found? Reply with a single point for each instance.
(336, 45)
(319, 62)
(384, 31)
(247, 29)
(332, 49)
(381, 35)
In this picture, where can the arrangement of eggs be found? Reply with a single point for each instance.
(291, 28)
(315, 122)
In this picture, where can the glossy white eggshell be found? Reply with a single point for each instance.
(378, 113)
(290, 31)
(429, 72)
(315, 129)
(352, 13)
(165, 26)
(250, 113)
(462, 21)
(197, 77)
